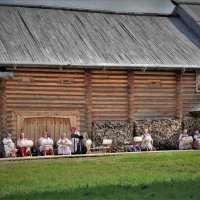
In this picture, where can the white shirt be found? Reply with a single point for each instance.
(64, 142)
(21, 142)
(7, 141)
(44, 140)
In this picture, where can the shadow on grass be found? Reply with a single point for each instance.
(168, 189)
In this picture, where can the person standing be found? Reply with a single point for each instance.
(74, 139)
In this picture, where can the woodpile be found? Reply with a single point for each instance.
(120, 132)
(191, 124)
(165, 133)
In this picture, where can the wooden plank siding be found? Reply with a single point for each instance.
(99, 95)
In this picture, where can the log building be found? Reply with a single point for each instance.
(76, 67)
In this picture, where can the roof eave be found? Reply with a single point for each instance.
(88, 10)
(191, 2)
(98, 65)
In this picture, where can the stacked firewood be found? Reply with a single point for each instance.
(120, 132)
(191, 124)
(165, 133)
(197, 124)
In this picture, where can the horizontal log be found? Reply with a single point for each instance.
(34, 69)
(55, 101)
(99, 81)
(160, 81)
(109, 89)
(141, 98)
(15, 84)
(103, 119)
(155, 102)
(108, 113)
(146, 86)
(113, 94)
(108, 72)
(109, 76)
(69, 106)
(47, 79)
(45, 88)
(105, 98)
(109, 85)
(102, 110)
(158, 76)
(108, 102)
(30, 93)
(154, 73)
(53, 75)
(125, 107)
(156, 90)
(46, 98)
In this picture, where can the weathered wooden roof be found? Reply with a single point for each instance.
(190, 14)
(186, 1)
(193, 10)
(34, 35)
(125, 6)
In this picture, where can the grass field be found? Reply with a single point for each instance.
(133, 176)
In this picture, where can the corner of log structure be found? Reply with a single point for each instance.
(88, 100)
(131, 110)
(179, 98)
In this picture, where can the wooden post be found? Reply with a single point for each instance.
(131, 109)
(88, 100)
(179, 96)
(2, 108)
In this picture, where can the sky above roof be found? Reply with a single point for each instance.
(140, 6)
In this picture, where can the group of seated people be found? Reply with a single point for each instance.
(142, 143)
(145, 142)
(45, 144)
(81, 144)
(189, 141)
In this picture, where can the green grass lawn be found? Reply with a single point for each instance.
(132, 176)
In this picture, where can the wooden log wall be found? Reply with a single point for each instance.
(131, 98)
(100, 95)
(3, 122)
(34, 89)
(88, 100)
(155, 95)
(109, 95)
(179, 95)
(191, 98)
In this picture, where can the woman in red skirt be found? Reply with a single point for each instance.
(24, 145)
